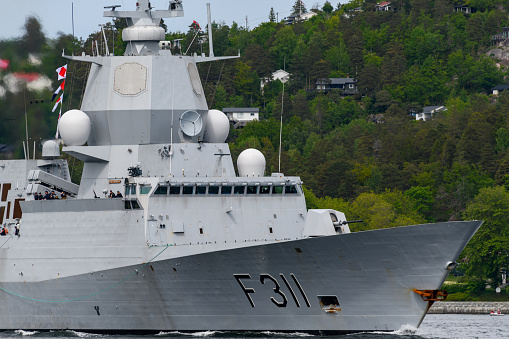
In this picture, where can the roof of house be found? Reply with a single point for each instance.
(384, 3)
(335, 81)
(432, 109)
(501, 87)
(241, 110)
(342, 81)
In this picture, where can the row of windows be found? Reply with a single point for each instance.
(216, 190)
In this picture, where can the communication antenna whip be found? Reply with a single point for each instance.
(281, 126)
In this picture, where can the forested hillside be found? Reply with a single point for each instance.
(364, 154)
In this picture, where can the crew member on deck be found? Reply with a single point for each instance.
(119, 195)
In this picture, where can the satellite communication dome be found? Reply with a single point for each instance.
(74, 127)
(50, 150)
(251, 163)
(218, 127)
(143, 33)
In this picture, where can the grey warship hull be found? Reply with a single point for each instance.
(189, 245)
(275, 287)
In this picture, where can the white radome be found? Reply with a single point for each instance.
(218, 127)
(74, 127)
(251, 163)
(50, 150)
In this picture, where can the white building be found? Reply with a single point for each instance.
(429, 112)
(240, 116)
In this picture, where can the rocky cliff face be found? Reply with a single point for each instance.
(501, 53)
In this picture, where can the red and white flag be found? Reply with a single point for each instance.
(62, 72)
(58, 102)
(60, 88)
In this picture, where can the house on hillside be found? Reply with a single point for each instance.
(499, 88)
(384, 6)
(296, 17)
(464, 9)
(429, 112)
(347, 85)
(500, 37)
(240, 116)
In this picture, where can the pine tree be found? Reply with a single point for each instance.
(298, 7)
(272, 15)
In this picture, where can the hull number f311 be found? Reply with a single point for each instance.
(279, 299)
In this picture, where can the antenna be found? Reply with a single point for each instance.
(105, 40)
(211, 42)
(281, 126)
(72, 15)
(26, 124)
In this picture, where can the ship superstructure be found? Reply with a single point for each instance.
(191, 244)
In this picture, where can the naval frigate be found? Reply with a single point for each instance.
(191, 245)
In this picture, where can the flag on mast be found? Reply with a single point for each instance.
(58, 102)
(62, 72)
(59, 115)
(60, 88)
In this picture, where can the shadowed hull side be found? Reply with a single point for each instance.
(372, 274)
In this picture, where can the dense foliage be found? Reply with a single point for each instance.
(362, 154)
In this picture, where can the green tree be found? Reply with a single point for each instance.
(298, 7)
(327, 7)
(272, 15)
(488, 251)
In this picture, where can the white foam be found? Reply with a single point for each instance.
(285, 334)
(201, 334)
(25, 333)
(83, 334)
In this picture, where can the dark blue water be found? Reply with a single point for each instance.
(447, 326)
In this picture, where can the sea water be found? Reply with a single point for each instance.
(434, 326)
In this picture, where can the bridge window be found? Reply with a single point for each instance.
(187, 190)
(291, 189)
(201, 189)
(264, 189)
(226, 190)
(214, 190)
(145, 189)
(175, 190)
(131, 205)
(161, 190)
(239, 190)
(130, 190)
(277, 189)
(251, 189)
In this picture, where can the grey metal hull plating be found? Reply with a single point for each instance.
(372, 274)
